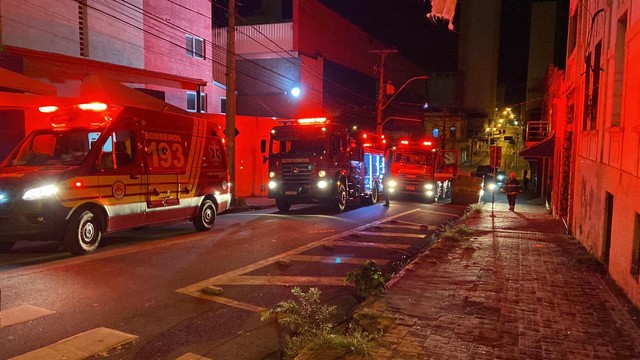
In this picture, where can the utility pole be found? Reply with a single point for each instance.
(231, 100)
(381, 87)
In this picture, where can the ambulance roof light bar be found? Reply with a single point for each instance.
(93, 106)
(48, 109)
(313, 121)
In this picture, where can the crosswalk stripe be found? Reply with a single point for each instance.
(80, 346)
(192, 356)
(334, 259)
(373, 245)
(22, 313)
(284, 280)
(381, 233)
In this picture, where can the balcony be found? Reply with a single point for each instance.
(252, 42)
(536, 132)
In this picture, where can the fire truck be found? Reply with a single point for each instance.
(101, 168)
(420, 169)
(316, 161)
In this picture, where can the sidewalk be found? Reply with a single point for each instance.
(518, 289)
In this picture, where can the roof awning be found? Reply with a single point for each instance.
(18, 82)
(543, 149)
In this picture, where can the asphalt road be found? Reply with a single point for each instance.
(142, 289)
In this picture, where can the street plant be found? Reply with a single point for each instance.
(367, 279)
(312, 329)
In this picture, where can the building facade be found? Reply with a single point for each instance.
(601, 135)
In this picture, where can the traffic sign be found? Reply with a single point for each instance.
(495, 156)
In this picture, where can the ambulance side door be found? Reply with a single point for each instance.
(165, 161)
(120, 175)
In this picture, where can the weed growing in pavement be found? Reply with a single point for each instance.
(367, 279)
(312, 328)
(475, 208)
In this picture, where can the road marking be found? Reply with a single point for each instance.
(284, 280)
(370, 244)
(22, 313)
(412, 227)
(230, 302)
(192, 356)
(81, 346)
(440, 213)
(381, 233)
(334, 259)
(195, 288)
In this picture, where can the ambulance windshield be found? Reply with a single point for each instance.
(415, 158)
(49, 147)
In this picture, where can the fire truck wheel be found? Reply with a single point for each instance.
(373, 198)
(282, 204)
(206, 216)
(341, 201)
(83, 233)
(6, 245)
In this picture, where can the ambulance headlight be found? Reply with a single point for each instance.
(392, 183)
(271, 174)
(322, 184)
(41, 192)
(322, 173)
(492, 186)
(428, 186)
(272, 184)
(429, 193)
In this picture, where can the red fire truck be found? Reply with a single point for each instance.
(420, 169)
(313, 160)
(101, 168)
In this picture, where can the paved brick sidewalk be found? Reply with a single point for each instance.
(518, 289)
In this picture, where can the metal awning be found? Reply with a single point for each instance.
(543, 149)
(20, 83)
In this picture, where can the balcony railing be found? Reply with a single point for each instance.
(537, 131)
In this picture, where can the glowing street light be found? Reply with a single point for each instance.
(295, 92)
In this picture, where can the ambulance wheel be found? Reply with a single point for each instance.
(83, 233)
(206, 216)
(6, 245)
(341, 202)
(283, 204)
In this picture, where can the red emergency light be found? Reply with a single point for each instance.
(48, 109)
(427, 143)
(404, 142)
(313, 121)
(93, 106)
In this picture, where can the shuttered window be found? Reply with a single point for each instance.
(194, 46)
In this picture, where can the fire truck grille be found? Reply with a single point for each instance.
(415, 181)
(296, 174)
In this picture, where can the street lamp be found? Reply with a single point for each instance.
(382, 105)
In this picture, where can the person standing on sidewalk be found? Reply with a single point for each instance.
(387, 175)
(511, 187)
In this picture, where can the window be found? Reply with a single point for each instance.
(223, 105)
(573, 30)
(595, 89)
(195, 47)
(635, 256)
(618, 74)
(191, 102)
(587, 98)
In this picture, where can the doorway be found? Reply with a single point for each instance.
(607, 229)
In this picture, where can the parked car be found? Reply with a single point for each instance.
(482, 171)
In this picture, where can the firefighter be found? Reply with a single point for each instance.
(511, 187)
(387, 176)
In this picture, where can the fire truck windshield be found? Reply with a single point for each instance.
(291, 146)
(414, 158)
(50, 147)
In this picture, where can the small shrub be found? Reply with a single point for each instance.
(475, 208)
(367, 279)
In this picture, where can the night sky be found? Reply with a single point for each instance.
(402, 23)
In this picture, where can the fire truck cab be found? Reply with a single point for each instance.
(420, 169)
(102, 168)
(313, 160)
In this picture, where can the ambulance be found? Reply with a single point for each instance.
(102, 168)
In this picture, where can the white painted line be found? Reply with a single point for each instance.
(192, 356)
(373, 245)
(285, 280)
(81, 346)
(230, 302)
(439, 213)
(22, 313)
(381, 233)
(412, 227)
(195, 288)
(334, 259)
